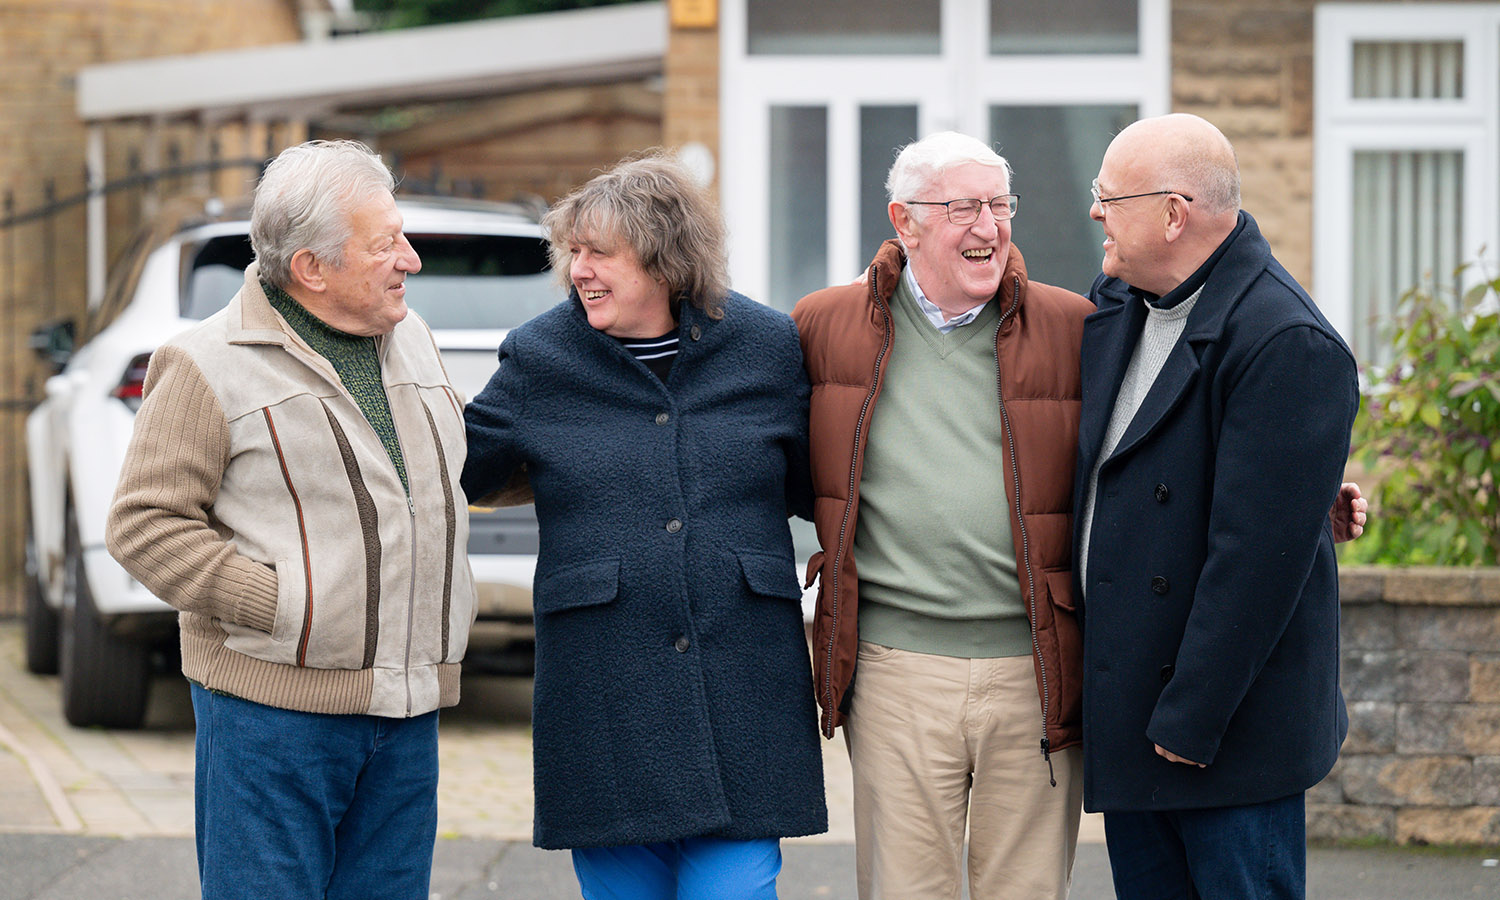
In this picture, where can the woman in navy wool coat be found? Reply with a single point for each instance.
(674, 733)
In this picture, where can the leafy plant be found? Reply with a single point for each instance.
(1429, 431)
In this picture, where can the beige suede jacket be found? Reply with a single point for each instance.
(258, 500)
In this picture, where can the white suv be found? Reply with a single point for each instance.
(484, 271)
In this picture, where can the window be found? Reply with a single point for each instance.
(816, 99)
(1407, 157)
(1053, 150)
(1064, 26)
(827, 27)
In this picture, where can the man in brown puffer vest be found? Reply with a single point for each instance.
(945, 526)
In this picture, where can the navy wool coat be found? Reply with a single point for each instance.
(673, 693)
(1211, 613)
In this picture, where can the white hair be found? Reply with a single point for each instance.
(304, 199)
(921, 163)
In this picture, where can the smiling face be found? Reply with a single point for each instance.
(957, 266)
(367, 294)
(1142, 235)
(620, 297)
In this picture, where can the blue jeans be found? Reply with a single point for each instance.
(309, 806)
(689, 869)
(1254, 852)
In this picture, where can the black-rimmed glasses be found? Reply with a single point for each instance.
(966, 211)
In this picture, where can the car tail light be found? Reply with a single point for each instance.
(133, 382)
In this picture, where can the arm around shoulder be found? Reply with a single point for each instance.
(493, 473)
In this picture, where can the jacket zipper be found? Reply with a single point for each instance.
(859, 427)
(1015, 476)
(411, 583)
(411, 595)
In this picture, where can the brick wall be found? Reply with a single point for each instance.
(691, 107)
(43, 44)
(1421, 675)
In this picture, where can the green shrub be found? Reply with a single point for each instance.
(1429, 431)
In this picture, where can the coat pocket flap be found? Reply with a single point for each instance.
(1060, 587)
(770, 575)
(586, 584)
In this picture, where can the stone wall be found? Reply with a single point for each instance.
(1421, 674)
(1247, 66)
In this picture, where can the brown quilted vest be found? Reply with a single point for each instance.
(846, 340)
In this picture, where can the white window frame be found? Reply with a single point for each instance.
(953, 89)
(1345, 126)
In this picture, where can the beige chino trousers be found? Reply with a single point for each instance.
(938, 742)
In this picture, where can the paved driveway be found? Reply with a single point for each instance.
(57, 778)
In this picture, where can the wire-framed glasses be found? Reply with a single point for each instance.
(966, 211)
(1094, 189)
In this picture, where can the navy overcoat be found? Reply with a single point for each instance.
(673, 693)
(1211, 612)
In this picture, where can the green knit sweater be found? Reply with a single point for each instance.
(937, 567)
(357, 362)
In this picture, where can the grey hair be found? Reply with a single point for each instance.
(304, 199)
(1215, 177)
(921, 163)
(653, 205)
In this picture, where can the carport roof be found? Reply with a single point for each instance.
(320, 77)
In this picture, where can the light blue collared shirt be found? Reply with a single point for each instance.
(935, 315)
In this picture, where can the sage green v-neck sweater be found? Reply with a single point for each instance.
(936, 562)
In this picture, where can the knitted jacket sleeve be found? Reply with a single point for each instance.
(159, 527)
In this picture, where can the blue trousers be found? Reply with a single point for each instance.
(1254, 852)
(689, 869)
(315, 807)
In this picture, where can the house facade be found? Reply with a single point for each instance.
(1368, 133)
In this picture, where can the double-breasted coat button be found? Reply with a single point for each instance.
(1162, 493)
(674, 526)
(662, 418)
(695, 332)
(1166, 673)
(1159, 584)
(682, 644)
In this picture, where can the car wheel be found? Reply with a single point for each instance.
(41, 619)
(104, 677)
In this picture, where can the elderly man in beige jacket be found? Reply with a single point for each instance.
(292, 487)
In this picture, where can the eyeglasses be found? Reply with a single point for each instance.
(966, 212)
(1094, 189)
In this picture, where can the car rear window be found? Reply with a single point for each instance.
(467, 281)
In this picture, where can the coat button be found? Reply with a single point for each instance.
(1166, 673)
(674, 526)
(682, 644)
(1162, 493)
(1158, 584)
(695, 332)
(662, 418)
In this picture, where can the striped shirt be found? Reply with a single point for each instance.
(657, 353)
